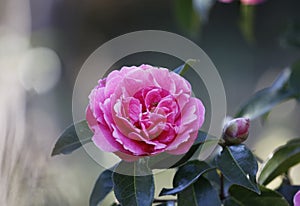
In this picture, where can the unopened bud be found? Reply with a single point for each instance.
(236, 131)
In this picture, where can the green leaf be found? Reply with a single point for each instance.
(133, 185)
(264, 100)
(185, 176)
(280, 161)
(240, 196)
(69, 139)
(291, 36)
(167, 203)
(102, 187)
(186, 15)
(232, 202)
(239, 166)
(294, 141)
(282, 80)
(183, 68)
(204, 142)
(199, 193)
(288, 191)
(294, 82)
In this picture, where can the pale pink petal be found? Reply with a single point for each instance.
(162, 78)
(112, 82)
(107, 115)
(185, 146)
(297, 199)
(96, 97)
(100, 134)
(135, 147)
(185, 131)
(92, 122)
(157, 145)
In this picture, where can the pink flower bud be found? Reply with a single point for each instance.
(236, 131)
(297, 199)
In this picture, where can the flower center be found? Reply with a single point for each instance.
(159, 111)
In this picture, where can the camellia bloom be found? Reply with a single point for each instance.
(236, 131)
(297, 199)
(143, 111)
(246, 2)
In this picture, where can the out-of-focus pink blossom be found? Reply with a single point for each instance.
(252, 2)
(246, 2)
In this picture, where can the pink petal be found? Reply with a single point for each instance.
(96, 97)
(100, 134)
(297, 199)
(112, 82)
(186, 131)
(185, 146)
(135, 147)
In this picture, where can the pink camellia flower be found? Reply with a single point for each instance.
(297, 199)
(143, 111)
(236, 131)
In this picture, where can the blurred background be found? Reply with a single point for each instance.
(44, 43)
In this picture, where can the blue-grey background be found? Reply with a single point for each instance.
(36, 84)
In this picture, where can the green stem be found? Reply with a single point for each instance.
(163, 200)
(222, 193)
(286, 178)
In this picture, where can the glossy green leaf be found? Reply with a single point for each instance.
(239, 166)
(204, 142)
(183, 68)
(167, 203)
(69, 139)
(232, 202)
(240, 196)
(295, 79)
(185, 176)
(133, 184)
(291, 37)
(294, 141)
(103, 187)
(282, 80)
(186, 15)
(288, 191)
(213, 177)
(280, 161)
(199, 193)
(264, 100)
